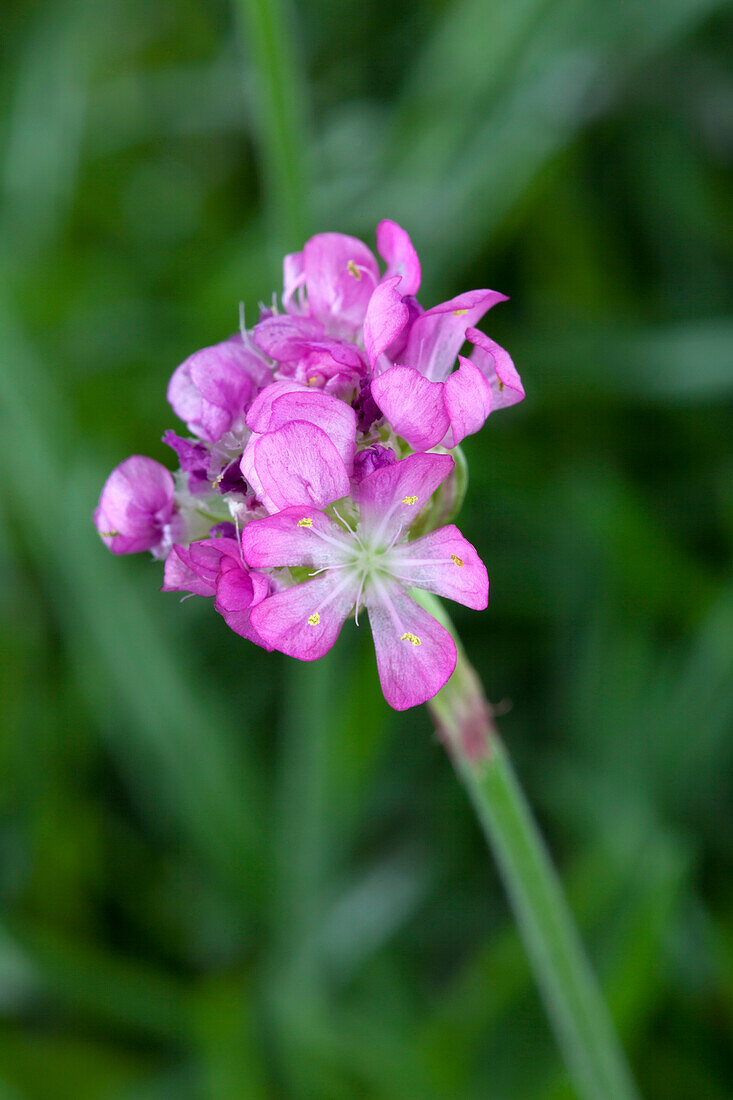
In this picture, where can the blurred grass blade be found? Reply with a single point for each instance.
(282, 117)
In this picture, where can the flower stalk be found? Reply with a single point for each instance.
(570, 992)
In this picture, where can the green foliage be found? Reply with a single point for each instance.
(225, 875)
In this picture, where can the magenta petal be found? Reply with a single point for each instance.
(134, 506)
(297, 464)
(304, 621)
(496, 365)
(340, 275)
(293, 280)
(212, 388)
(437, 335)
(390, 498)
(445, 563)
(397, 251)
(386, 317)
(282, 336)
(286, 401)
(295, 536)
(237, 593)
(416, 656)
(414, 406)
(467, 399)
(195, 568)
(333, 416)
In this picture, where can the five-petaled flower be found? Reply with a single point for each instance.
(318, 471)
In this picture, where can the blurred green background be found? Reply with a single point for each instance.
(226, 875)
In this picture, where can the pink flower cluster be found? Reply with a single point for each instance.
(318, 470)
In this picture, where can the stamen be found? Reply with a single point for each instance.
(500, 384)
(306, 521)
(457, 561)
(409, 500)
(314, 619)
(411, 638)
(353, 269)
(459, 312)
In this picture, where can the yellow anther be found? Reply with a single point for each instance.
(353, 269)
(108, 534)
(456, 560)
(500, 384)
(459, 312)
(306, 521)
(312, 380)
(217, 479)
(409, 500)
(314, 619)
(411, 638)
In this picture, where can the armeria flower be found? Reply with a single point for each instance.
(371, 565)
(136, 509)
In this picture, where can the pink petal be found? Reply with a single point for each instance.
(414, 406)
(397, 251)
(386, 316)
(134, 505)
(293, 279)
(416, 656)
(437, 335)
(195, 568)
(297, 464)
(282, 337)
(340, 275)
(304, 621)
(467, 399)
(211, 388)
(295, 536)
(286, 401)
(496, 365)
(445, 563)
(237, 593)
(391, 498)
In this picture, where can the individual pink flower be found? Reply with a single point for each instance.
(302, 446)
(211, 390)
(136, 507)
(374, 566)
(214, 567)
(423, 400)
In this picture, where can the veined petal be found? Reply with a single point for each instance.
(437, 335)
(443, 562)
(414, 406)
(286, 401)
(195, 568)
(297, 464)
(340, 275)
(237, 592)
(134, 506)
(390, 498)
(496, 365)
(386, 317)
(467, 399)
(304, 621)
(295, 536)
(416, 656)
(282, 336)
(398, 252)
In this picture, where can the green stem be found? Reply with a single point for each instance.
(281, 115)
(573, 1001)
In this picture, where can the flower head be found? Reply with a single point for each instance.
(318, 468)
